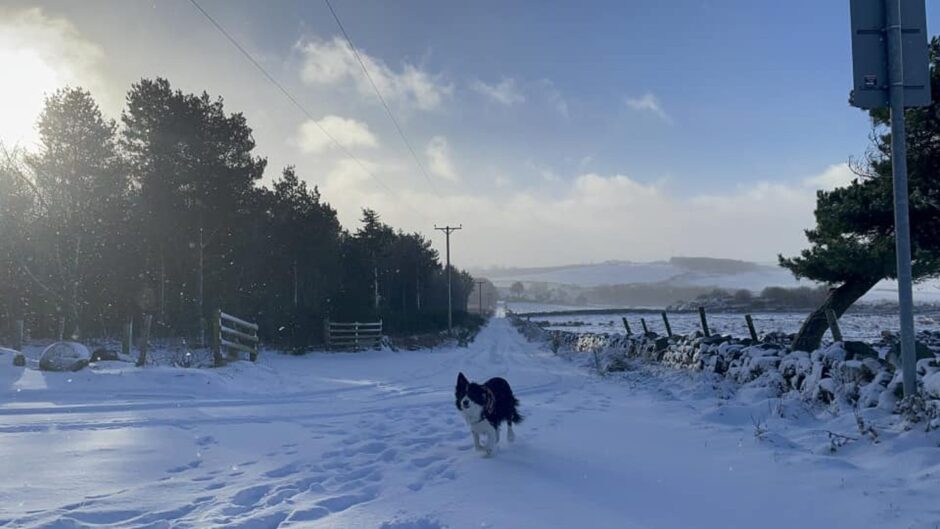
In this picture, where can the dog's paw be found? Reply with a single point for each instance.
(487, 452)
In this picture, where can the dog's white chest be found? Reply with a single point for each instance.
(479, 426)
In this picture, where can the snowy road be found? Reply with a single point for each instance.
(372, 440)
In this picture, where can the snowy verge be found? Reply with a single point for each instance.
(840, 378)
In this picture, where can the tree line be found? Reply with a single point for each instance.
(163, 214)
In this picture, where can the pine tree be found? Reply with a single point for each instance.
(195, 170)
(852, 245)
(79, 176)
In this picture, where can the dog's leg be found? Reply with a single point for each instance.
(509, 433)
(492, 437)
(476, 441)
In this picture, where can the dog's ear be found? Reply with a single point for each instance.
(490, 399)
(462, 380)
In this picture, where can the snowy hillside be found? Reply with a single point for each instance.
(372, 440)
(685, 272)
(625, 272)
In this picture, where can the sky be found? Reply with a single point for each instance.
(553, 132)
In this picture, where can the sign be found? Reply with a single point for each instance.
(870, 54)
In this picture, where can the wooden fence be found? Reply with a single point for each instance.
(352, 335)
(234, 334)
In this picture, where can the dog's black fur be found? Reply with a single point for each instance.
(494, 396)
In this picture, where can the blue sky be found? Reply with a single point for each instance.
(555, 131)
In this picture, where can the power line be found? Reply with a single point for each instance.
(287, 94)
(378, 93)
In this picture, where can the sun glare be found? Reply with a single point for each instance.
(28, 78)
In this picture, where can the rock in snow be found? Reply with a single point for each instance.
(64, 356)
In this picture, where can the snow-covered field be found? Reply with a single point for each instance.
(859, 326)
(623, 273)
(372, 440)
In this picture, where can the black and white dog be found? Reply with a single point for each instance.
(485, 407)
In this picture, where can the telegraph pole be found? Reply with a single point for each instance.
(450, 317)
(480, 291)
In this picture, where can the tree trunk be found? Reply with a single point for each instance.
(74, 311)
(839, 300)
(200, 288)
(296, 286)
(162, 289)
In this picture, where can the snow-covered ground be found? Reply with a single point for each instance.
(855, 326)
(372, 440)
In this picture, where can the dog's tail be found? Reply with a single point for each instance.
(516, 416)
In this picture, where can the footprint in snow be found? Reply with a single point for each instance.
(251, 495)
(183, 468)
(282, 472)
(344, 502)
(413, 523)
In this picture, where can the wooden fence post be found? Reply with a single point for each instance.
(750, 326)
(144, 341)
(668, 327)
(217, 359)
(18, 335)
(701, 314)
(834, 325)
(128, 342)
(626, 325)
(645, 328)
(61, 330)
(326, 332)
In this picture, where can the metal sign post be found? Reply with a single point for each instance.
(890, 68)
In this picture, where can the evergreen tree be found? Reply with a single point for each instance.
(79, 176)
(852, 246)
(167, 217)
(195, 170)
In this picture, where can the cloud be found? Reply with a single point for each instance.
(348, 132)
(545, 172)
(595, 217)
(439, 159)
(553, 97)
(837, 175)
(648, 102)
(332, 62)
(41, 54)
(505, 92)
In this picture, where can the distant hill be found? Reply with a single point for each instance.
(679, 271)
(660, 283)
(711, 265)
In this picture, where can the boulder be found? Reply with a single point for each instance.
(714, 339)
(922, 352)
(101, 354)
(617, 365)
(661, 344)
(64, 356)
(859, 350)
